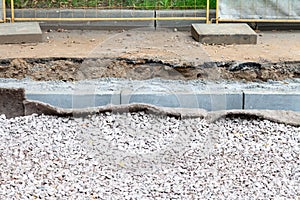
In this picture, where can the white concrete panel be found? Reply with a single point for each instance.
(259, 9)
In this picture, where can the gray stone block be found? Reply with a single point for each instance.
(223, 34)
(92, 13)
(125, 14)
(180, 24)
(158, 99)
(53, 13)
(76, 101)
(79, 13)
(41, 14)
(103, 24)
(66, 14)
(204, 100)
(270, 100)
(95, 100)
(25, 32)
(22, 13)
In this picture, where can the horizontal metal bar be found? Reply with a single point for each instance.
(111, 19)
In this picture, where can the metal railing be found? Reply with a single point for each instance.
(99, 9)
(102, 6)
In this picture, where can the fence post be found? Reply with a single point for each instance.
(217, 11)
(12, 7)
(3, 11)
(207, 11)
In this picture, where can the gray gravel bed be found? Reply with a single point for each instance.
(141, 156)
(113, 84)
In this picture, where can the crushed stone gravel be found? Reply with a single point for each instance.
(142, 156)
(115, 84)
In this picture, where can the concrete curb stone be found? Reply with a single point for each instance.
(13, 104)
(272, 100)
(100, 25)
(88, 13)
(76, 100)
(204, 100)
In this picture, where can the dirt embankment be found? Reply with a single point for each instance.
(73, 69)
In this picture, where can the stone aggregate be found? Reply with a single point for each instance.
(143, 156)
(115, 84)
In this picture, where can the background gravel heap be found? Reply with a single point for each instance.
(144, 156)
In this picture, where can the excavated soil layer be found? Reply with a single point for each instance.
(74, 69)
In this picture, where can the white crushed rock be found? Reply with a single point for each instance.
(115, 84)
(141, 156)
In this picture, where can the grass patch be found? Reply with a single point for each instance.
(109, 4)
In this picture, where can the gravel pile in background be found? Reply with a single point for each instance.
(145, 157)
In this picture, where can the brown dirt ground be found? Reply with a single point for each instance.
(143, 54)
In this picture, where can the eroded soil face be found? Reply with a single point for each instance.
(74, 69)
(144, 54)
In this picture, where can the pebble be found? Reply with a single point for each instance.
(111, 84)
(142, 156)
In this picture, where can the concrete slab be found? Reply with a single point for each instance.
(25, 32)
(270, 100)
(224, 33)
(204, 100)
(76, 101)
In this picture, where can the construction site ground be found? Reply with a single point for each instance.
(146, 53)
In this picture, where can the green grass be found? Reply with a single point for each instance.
(131, 4)
(170, 4)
